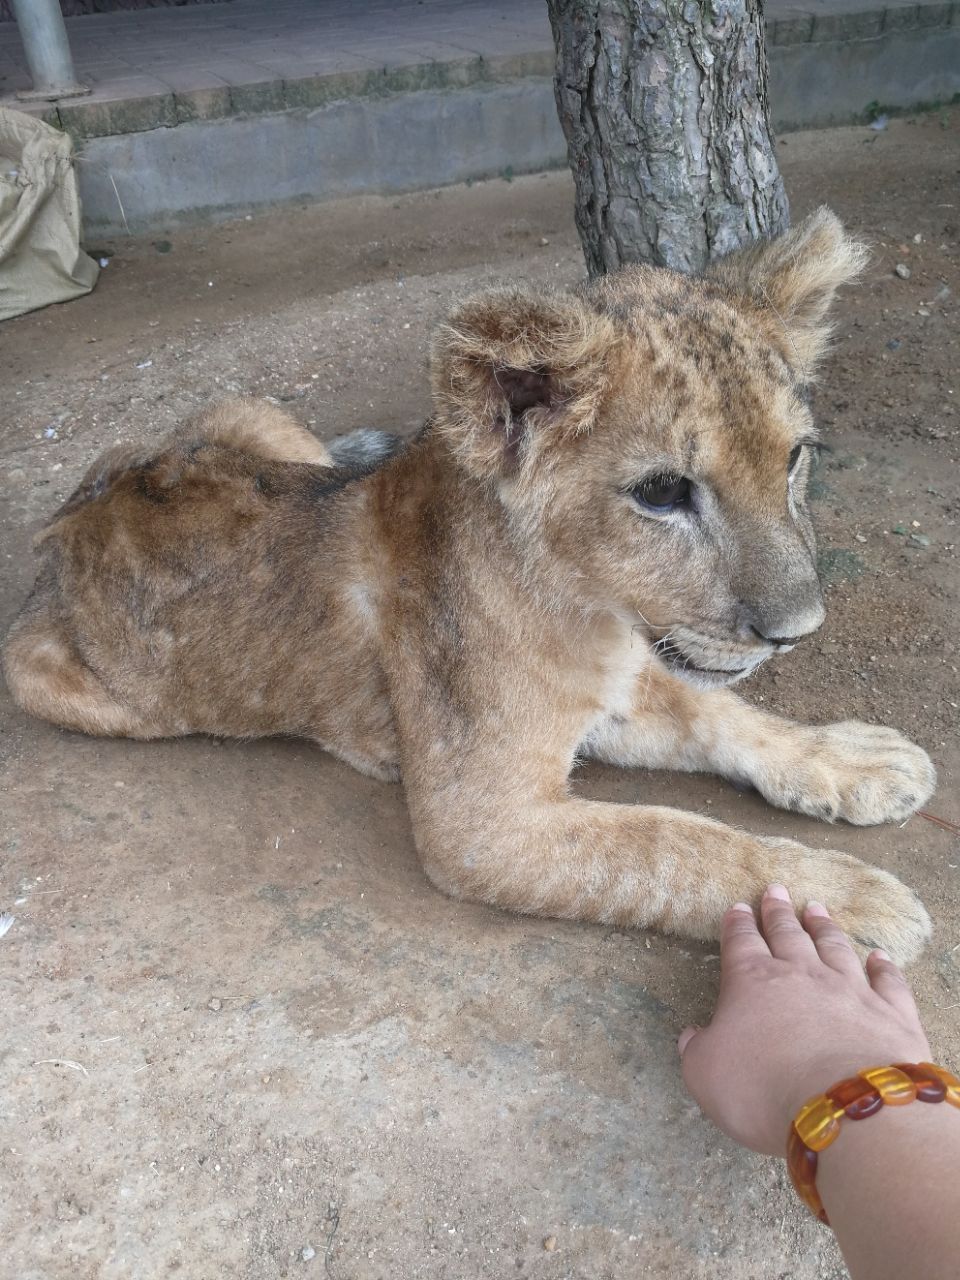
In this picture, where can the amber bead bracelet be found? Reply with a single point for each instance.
(817, 1123)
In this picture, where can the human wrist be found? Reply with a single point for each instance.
(821, 1072)
(891, 1152)
(885, 1184)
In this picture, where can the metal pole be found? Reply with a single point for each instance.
(47, 48)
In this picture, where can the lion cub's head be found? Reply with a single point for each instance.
(650, 437)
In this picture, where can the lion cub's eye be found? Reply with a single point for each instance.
(662, 493)
(796, 453)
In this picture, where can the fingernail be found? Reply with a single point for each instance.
(817, 909)
(880, 953)
(778, 891)
(742, 906)
(686, 1035)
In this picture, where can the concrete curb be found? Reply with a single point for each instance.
(102, 117)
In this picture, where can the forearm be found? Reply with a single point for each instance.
(889, 1186)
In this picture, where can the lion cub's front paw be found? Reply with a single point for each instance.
(872, 906)
(880, 911)
(862, 773)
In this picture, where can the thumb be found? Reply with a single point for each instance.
(686, 1035)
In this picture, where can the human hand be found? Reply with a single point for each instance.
(795, 1014)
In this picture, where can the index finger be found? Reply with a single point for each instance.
(740, 939)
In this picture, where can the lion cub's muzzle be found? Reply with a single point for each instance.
(710, 662)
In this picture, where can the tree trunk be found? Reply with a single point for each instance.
(664, 107)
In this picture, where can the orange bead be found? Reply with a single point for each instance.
(948, 1080)
(930, 1088)
(857, 1096)
(894, 1087)
(818, 1122)
(811, 1198)
(801, 1161)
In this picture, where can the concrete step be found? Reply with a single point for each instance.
(207, 111)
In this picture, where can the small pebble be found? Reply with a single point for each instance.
(902, 270)
(550, 1243)
(308, 1252)
(859, 537)
(214, 1004)
(920, 539)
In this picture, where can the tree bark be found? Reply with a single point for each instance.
(664, 107)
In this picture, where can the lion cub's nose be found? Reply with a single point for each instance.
(788, 624)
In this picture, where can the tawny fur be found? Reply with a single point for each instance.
(496, 601)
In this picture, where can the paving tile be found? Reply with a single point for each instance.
(187, 79)
(237, 71)
(130, 86)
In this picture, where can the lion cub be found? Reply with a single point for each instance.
(601, 527)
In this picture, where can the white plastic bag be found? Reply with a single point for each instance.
(40, 256)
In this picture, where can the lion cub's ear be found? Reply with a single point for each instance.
(795, 278)
(513, 369)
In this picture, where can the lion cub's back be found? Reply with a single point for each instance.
(192, 579)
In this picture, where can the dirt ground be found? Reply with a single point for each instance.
(242, 1035)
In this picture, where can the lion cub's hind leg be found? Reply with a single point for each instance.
(253, 426)
(48, 678)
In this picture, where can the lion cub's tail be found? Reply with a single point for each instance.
(364, 450)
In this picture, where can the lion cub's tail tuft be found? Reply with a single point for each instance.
(364, 450)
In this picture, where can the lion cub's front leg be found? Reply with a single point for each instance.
(862, 773)
(641, 865)
(493, 822)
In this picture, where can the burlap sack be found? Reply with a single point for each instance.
(40, 256)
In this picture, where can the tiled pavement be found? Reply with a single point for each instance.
(248, 41)
(159, 66)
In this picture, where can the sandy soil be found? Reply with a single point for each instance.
(242, 1035)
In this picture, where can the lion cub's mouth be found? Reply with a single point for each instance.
(701, 674)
